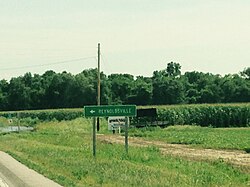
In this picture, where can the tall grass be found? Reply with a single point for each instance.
(63, 152)
(197, 136)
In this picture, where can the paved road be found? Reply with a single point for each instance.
(15, 174)
(3, 183)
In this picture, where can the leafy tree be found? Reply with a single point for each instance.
(246, 73)
(83, 91)
(120, 87)
(3, 95)
(241, 89)
(167, 90)
(173, 69)
(56, 91)
(141, 93)
(19, 94)
(168, 86)
(193, 96)
(37, 92)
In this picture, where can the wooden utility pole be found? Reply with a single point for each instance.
(98, 86)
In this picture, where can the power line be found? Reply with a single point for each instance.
(105, 65)
(48, 64)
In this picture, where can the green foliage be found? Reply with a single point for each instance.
(120, 87)
(64, 90)
(167, 90)
(28, 122)
(220, 115)
(216, 115)
(205, 137)
(46, 115)
(173, 69)
(62, 151)
(246, 73)
(3, 122)
(247, 150)
(141, 93)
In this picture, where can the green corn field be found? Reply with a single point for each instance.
(214, 115)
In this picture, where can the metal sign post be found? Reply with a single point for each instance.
(94, 137)
(110, 111)
(18, 123)
(126, 134)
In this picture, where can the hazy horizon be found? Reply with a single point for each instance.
(136, 38)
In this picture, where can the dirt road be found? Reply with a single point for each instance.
(235, 157)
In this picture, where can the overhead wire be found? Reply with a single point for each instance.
(48, 64)
(105, 65)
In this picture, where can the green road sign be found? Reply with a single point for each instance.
(110, 110)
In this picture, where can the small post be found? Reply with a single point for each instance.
(126, 133)
(94, 137)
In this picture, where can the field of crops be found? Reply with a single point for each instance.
(215, 115)
(63, 152)
(61, 146)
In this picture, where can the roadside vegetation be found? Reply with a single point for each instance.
(3, 122)
(63, 152)
(197, 136)
(212, 115)
(60, 146)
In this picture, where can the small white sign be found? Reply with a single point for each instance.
(115, 123)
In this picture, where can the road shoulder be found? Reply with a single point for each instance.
(16, 174)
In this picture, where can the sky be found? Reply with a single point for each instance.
(136, 36)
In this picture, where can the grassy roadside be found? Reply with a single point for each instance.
(204, 137)
(62, 151)
(3, 122)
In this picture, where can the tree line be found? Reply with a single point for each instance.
(168, 86)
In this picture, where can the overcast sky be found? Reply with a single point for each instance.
(136, 36)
